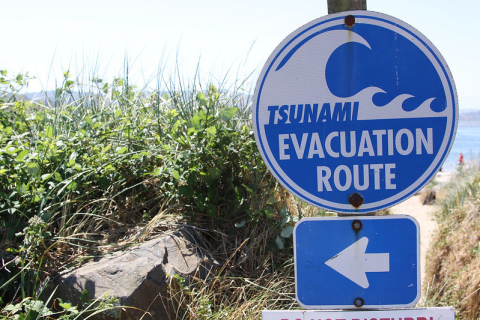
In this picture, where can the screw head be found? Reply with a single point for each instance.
(357, 225)
(356, 200)
(349, 20)
(358, 302)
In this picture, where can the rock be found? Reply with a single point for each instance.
(138, 277)
(430, 198)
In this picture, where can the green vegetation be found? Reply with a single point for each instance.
(104, 156)
(98, 166)
(453, 264)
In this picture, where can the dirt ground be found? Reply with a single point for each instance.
(424, 214)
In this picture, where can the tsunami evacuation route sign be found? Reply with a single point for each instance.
(369, 110)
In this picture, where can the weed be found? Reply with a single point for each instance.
(102, 156)
(453, 263)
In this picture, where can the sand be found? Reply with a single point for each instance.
(424, 214)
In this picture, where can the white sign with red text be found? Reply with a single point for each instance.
(393, 314)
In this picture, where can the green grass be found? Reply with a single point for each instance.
(107, 156)
(102, 163)
(453, 261)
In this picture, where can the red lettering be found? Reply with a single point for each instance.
(409, 319)
(421, 318)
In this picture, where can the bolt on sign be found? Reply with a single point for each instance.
(355, 112)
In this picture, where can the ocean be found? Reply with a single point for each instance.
(467, 142)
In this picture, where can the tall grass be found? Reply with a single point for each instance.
(453, 263)
(100, 165)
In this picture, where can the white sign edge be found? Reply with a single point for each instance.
(435, 313)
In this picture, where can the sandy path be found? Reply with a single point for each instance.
(424, 214)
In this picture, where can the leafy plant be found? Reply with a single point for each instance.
(30, 309)
(98, 161)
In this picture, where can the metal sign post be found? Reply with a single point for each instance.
(335, 6)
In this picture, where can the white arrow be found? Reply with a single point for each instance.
(353, 263)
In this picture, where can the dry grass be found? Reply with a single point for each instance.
(250, 275)
(231, 297)
(453, 265)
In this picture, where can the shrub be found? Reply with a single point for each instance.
(93, 158)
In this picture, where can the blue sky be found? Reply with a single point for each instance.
(48, 37)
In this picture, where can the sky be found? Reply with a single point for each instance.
(94, 38)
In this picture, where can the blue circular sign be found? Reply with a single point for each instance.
(355, 118)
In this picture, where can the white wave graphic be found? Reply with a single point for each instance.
(305, 73)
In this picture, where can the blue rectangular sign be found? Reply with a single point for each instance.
(357, 262)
